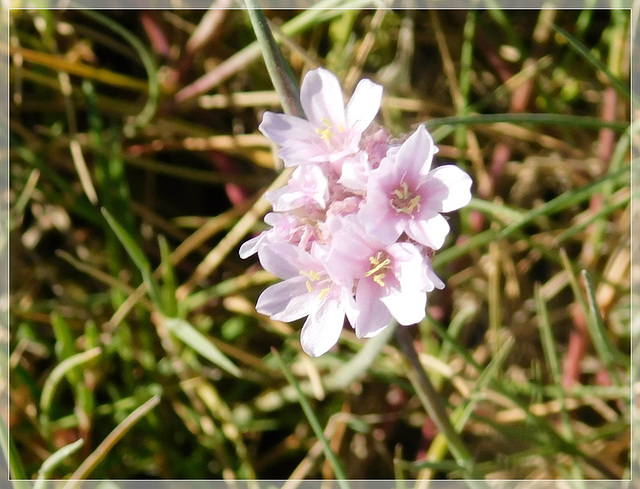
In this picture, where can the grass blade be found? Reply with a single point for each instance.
(566, 200)
(195, 339)
(548, 345)
(54, 460)
(53, 380)
(584, 52)
(137, 256)
(529, 118)
(313, 421)
(107, 444)
(153, 87)
(597, 328)
(10, 453)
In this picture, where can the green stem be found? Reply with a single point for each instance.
(279, 70)
(433, 403)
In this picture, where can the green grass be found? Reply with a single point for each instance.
(135, 347)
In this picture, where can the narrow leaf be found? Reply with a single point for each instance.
(195, 339)
(313, 421)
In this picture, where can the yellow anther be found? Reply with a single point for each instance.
(310, 274)
(323, 293)
(324, 133)
(379, 267)
(402, 192)
(378, 279)
(403, 202)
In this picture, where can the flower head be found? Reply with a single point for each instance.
(354, 229)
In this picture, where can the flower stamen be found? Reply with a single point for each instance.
(312, 276)
(403, 202)
(379, 265)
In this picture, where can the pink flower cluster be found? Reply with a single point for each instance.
(353, 230)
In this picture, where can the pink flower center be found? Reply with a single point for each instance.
(403, 201)
(380, 264)
(328, 135)
(314, 281)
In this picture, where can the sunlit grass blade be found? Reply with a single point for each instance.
(137, 256)
(90, 463)
(567, 199)
(168, 278)
(98, 74)
(434, 405)
(528, 118)
(11, 455)
(65, 349)
(359, 363)
(596, 63)
(195, 339)
(609, 356)
(54, 460)
(323, 11)
(597, 328)
(460, 416)
(313, 421)
(54, 378)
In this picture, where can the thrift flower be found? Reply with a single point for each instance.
(405, 195)
(353, 231)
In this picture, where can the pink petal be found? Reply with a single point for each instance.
(252, 245)
(322, 328)
(364, 105)
(446, 189)
(285, 301)
(409, 266)
(416, 153)
(374, 315)
(285, 260)
(282, 128)
(321, 98)
(433, 281)
(407, 307)
(431, 230)
(378, 218)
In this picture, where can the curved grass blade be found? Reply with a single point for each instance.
(153, 89)
(108, 443)
(56, 375)
(10, 453)
(137, 256)
(54, 460)
(200, 343)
